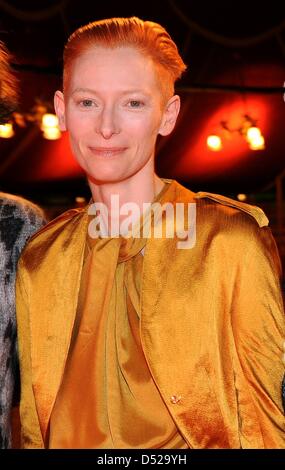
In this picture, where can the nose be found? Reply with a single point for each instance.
(107, 124)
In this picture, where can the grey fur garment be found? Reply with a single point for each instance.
(19, 219)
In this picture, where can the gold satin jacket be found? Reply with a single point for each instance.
(212, 324)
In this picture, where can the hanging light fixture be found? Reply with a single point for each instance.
(247, 129)
(39, 115)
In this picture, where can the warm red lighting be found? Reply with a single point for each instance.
(56, 161)
(199, 159)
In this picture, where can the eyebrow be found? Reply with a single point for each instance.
(85, 90)
(93, 92)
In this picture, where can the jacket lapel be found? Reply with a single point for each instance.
(172, 307)
(55, 296)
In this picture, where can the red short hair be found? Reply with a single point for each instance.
(8, 88)
(150, 38)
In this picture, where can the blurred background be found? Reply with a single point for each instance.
(230, 136)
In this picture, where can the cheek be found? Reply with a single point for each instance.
(76, 132)
(75, 125)
(143, 131)
(75, 149)
(149, 136)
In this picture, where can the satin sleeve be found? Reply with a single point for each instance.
(259, 330)
(30, 429)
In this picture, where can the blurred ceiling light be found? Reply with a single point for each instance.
(214, 142)
(257, 143)
(252, 133)
(49, 120)
(50, 127)
(6, 130)
(80, 200)
(242, 197)
(254, 138)
(51, 133)
(39, 115)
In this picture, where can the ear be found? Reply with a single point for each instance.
(170, 115)
(59, 107)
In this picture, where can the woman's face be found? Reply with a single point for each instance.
(114, 111)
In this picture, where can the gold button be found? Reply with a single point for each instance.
(175, 399)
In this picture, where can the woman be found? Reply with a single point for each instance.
(154, 336)
(19, 219)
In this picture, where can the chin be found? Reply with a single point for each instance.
(104, 178)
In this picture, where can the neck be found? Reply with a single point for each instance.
(139, 189)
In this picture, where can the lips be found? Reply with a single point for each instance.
(107, 152)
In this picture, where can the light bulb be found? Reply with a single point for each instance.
(253, 133)
(51, 133)
(6, 130)
(214, 142)
(49, 120)
(257, 143)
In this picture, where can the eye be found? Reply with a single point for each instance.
(135, 104)
(86, 103)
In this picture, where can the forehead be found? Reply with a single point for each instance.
(116, 67)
